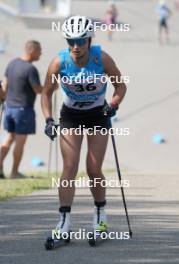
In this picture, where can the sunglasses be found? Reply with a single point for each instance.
(78, 41)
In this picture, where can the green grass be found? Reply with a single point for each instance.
(11, 188)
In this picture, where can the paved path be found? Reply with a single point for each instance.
(153, 209)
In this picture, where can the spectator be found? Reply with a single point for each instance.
(110, 17)
(21, 84)
(164, 13)
(176, 3)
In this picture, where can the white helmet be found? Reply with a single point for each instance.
(78, 27)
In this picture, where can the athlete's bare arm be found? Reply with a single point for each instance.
(49, 87)
(112, 70)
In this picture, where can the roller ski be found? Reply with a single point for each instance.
(99, 232)
(61, 234)
(55, 242)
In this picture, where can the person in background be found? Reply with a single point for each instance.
(164, 13)
(20, 86)
(176, 4)
(110, 17)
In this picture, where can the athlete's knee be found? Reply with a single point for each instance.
(94, 172)
(70, 169)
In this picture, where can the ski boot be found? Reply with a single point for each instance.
(99, 224)
(61, 234)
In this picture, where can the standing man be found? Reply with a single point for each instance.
(20, 85)
(164, 13)
(110, 17)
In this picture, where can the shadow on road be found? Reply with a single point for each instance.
(25, 222)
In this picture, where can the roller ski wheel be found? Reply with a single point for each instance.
(52, 243)
(97, 237)
(92, 240)
(49, 244)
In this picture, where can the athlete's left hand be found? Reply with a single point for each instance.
(110, 110)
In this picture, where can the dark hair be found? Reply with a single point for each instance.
(31, 44)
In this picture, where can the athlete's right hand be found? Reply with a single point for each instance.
(50, 128)
(109, 110)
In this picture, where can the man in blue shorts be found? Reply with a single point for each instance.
(164, 13)
(20, 85)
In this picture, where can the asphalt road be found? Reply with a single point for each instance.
(25, 223)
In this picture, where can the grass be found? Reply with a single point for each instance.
(11, 188)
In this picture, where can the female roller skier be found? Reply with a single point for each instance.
(83, 105)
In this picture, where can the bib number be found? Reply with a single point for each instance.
(82, 88)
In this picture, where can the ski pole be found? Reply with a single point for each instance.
(49, 159)
(56, 139)
(56, 142)
(120, 179)
(1, 112)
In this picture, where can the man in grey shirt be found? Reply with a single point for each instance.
(20, 85)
